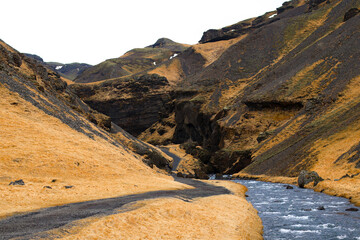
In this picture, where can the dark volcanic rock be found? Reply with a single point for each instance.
(351, 13)
(133, 103)
(199, 174)
(352, 209)
(321, 208)
(306, 177)
(229, 161)
(285, 6)
(17, 182)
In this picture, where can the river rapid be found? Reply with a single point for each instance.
(302, 213)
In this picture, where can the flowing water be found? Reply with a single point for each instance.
(295, 213)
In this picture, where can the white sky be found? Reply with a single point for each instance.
(92, 31)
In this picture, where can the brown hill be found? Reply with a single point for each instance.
(51, 139)
(132, 62)
(271, 95)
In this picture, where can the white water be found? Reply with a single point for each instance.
(293, 213)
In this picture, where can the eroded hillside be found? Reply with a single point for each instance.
(270, 95)
(60, 148)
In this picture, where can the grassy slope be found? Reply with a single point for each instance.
(38, 148)
(47, 141)
(173, 218)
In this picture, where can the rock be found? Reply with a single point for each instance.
(306, 177)
(307, 209)
(289, 187)
(199, 174)
(179, 174)
(285, 6)
(54, 180)
(352, 209)
(48, 187)
(69, 186)
(17, 182)
(126, 99)
(189, 176)
(313, 4)
(219, 176)
(321, 208)
(351, 13)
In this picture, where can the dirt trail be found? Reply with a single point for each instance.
(34, 224)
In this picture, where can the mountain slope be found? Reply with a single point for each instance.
(281, 99)
(69, 71)
(132, 62)
(49, 143)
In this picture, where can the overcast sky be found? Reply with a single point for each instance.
(92, 31)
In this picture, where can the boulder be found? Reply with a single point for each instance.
(199, 174)
(179, 174)
(306, 177)
(321, 208)
(352, 209)
(351, 13)
(17, 182)
(289, 187)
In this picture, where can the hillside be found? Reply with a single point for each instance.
(69, 172)
(134, 61)
(68, 71)
(271, 95)
(50, 139)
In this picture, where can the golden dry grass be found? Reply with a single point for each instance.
(216, 217)
(213, 50)
(38, 148)
(172, 71)
(68, 81)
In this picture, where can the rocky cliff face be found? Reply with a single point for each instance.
(279, 92)
(276, 90)
(134, 103)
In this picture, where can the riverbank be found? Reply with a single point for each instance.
(226, 216)
(346, 187)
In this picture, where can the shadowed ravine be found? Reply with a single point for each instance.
(34, 224)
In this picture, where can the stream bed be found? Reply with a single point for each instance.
(302, 213)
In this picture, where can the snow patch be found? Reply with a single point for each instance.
(58, 67)
(175, 54)
(154, 63)
(273, 15)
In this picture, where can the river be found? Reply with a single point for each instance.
(295, 213)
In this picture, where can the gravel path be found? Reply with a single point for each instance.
(34, 224)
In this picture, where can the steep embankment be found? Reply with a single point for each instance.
(55, 150)
(48, 141)
(287, 93)
(281, 99)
